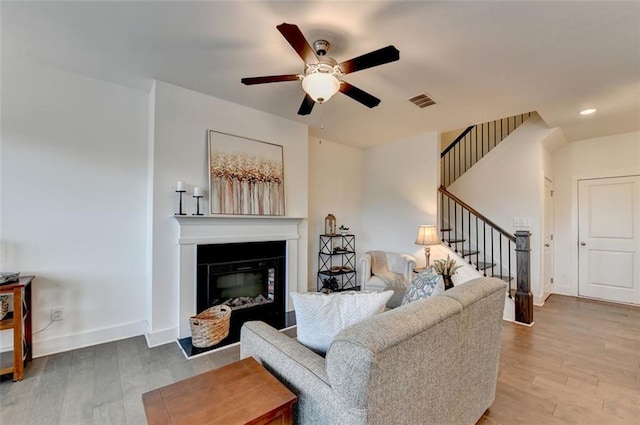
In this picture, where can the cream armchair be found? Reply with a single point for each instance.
(402, 264)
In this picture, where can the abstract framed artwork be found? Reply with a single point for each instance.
(246, 176)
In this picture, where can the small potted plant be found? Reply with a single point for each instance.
(343, 230)
(330, 285)
(446, 268)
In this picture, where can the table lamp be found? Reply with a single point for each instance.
(427, 236)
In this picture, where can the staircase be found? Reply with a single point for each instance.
(484, 244)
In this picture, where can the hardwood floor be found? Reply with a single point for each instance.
(579, 364)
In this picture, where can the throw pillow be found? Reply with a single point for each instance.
(320, 317)
(425, 285)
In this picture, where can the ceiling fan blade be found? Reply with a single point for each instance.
(270, 79)
(294, 36)
(371, 59)
(307, 106)
(359, 95)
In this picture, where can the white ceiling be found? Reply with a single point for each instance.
(479, 60)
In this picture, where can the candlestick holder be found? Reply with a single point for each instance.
(197, 205)
(180, 210)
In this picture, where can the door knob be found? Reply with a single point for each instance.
(583, 243)
(547, 245)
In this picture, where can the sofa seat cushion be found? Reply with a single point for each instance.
(320, 317)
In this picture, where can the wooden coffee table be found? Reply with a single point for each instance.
(243, 392)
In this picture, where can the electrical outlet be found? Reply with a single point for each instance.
(57, 313)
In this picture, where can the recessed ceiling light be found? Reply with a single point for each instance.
(587, 111)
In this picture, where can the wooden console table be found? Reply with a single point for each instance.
(240, 393)
(20, 321)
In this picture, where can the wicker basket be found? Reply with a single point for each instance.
(211, 326)
(4, 306)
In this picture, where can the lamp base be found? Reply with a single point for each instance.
(427, 254)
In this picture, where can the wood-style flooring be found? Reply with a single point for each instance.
(579, 364)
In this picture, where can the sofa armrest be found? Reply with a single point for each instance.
(302, 371)
(365, 271)
(281, 353)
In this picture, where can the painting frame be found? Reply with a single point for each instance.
(246, 176)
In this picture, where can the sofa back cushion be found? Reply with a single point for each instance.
(320, 317)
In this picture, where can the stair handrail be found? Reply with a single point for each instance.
(475, 212)
(457, 140)
(471, 146)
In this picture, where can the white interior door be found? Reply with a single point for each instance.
(548, 239)
(609, 238)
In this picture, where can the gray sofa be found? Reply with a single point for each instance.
(433, 361)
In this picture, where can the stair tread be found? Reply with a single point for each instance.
(454, 240)
(482, 265)
(466, 252)
(446, 229)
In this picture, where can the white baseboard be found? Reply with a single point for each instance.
(88, 338)
(162, 337)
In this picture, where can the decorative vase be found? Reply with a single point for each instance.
(448, 283)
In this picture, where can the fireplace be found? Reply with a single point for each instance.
(249, 277)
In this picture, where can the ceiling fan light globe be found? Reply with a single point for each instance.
(320, 86)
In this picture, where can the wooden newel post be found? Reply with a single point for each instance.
(524, 297)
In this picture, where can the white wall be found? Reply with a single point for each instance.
(73, 173)
(400, 189)
(592, 158)
(335, 186)
(509, 183)
(182, 118)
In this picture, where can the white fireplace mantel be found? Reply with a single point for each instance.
(216, 229)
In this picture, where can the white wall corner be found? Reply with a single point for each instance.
(161, 337)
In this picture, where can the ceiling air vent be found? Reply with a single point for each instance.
(422, 100)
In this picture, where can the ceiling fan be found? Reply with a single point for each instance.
(321, 78)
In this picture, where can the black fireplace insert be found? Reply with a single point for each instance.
(248, 277)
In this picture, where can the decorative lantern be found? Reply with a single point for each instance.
(330, 224)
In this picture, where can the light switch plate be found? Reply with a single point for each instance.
(521, 222)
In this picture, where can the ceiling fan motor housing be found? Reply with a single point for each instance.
(321, 47)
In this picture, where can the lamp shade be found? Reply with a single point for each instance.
(320, 86)
(427, 235)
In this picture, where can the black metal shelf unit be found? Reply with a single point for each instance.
(337, 260)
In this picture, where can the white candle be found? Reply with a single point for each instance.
(197, 191)
(180, 185)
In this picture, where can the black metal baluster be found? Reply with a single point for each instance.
(500, 239)
(493, 257)
(477, 242)
(449, 218)
(484, 240)
(457, 174)
(455, 222)
(476, 156)
(469, 235)
(449, 179)
(462, 226)
(509, 270)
